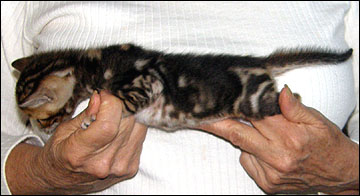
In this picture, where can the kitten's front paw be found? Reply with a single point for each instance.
(87, 121)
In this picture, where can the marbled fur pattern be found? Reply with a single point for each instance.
(168, 91)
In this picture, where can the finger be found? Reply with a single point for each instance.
(94, 104)
(121, 155)
(268, 179)
(129, 143)
(107, 155)
(247, 164)
(278, 182)
(73, 125)
(108, 119)
(253, 168)
(127, 158)
(138, 135)
(126, 127)
(276, 177)
(93, 108)
(130, 137)
(292, 109)
(239, 134)
(270, 126)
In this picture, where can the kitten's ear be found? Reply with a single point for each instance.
(39, 98)
(20, 64)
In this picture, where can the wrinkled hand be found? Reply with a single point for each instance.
(298, 151)
(108, 151)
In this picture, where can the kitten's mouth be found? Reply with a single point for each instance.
(48, 125)
(44, 133)
(51, 129)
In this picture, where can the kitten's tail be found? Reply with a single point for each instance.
(282, 60)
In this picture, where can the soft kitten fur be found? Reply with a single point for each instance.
(167, 91)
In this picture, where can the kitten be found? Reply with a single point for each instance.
(167, 91)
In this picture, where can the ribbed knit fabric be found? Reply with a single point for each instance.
(187, 161)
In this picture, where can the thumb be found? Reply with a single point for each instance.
(108, 110)
(71, 126)
(292, 109)
(92, 109)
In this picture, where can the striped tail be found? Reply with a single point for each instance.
(283, 60)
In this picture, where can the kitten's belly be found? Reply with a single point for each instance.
(161, 115)
(158, 115)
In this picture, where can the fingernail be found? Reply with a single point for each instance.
(289, 93)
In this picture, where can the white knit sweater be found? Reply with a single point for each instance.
(187, 161)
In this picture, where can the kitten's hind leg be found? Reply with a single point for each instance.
(259, 104)
(271, 106)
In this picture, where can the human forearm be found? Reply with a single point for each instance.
(27, 172)
(19, 172)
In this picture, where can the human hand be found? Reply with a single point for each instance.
(108, 151)
(298, 151)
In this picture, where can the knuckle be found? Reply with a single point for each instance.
(235, 137)
(125, 169)
(323, 130)
(274, 178)
(296, 143)
(100, 173)
(113, 102)
(133, 169)
(101, 168)
(74, 164)
(287, 164)
(106, 125)
(119, 170)
(65, 154)
(74, 161)
(314, 112)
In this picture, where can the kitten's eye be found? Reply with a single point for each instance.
(68, 74)
(64, 73)
(48, 121)
(41, 122)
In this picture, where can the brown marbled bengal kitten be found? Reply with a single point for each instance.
(168, 91)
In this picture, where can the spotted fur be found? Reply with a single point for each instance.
(168, 91)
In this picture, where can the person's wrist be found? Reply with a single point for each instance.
(22, 164)
(42, 171)
(350, 185)
(54, 177)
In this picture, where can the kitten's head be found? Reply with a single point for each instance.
(45, 85)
